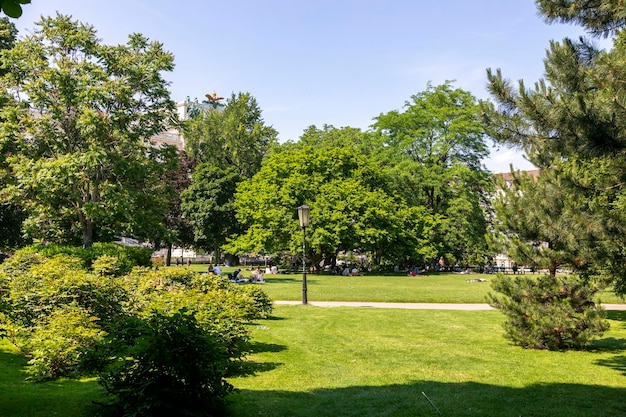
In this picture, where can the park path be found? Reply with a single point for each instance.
(416, 306)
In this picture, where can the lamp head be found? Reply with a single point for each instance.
(303, 215)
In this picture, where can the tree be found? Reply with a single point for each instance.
(599, 17)
(436, 146)
(11, 215)
(81, 121)
(229, 143)
(178, 229)
(347, 191)
(235, 136)
(535, 219)
(572, 125)
(209, 205)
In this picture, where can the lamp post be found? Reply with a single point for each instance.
(303, 215)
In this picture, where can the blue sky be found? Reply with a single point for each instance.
(339, 62)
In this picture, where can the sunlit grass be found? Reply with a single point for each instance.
(314, 361)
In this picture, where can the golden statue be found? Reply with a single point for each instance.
(213, 98)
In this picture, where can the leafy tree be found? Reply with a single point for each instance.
(347, 191)
(435, 147)
(82, 116)
(229, 143)
(209, 205)
(11, 215)
(178, 230)
(233, 137)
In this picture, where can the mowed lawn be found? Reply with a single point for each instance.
(316, 361)
(367, 362)
(431, 288)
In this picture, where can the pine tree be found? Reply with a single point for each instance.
(572, 125)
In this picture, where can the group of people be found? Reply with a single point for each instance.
(256, 275)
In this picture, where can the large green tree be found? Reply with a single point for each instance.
(435, 146)
(229, 143)
(352, 208)
(11, 215)
(81, 121)
(572, 124)
(234, 136)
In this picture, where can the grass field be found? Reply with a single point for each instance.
(434, 288)
(314, 361)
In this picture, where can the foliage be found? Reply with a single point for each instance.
(233, 137)
(229, 144)
(54, 309)
(127, 256)
(80, 118)
(540, 232)
(555, 313)
(572, 123)
(177, 229)
(35, 293)
(434, 148)
(600, 17)
(347, 191)
(11, 215)
(163, 365)
(59, 341)
(12, 8)
(209, 205)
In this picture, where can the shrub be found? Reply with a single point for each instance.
(163, 365)
(128, 256)
(56, 346)
(548, 313)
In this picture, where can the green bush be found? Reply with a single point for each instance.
(163, 365)
(57, 282)
(57, 345)
(548, 313)
(128, 256)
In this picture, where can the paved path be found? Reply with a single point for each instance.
(416, 306)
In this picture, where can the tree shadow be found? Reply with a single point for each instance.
(607, 344)
(430, 398)
(617, 362)
(617, 315)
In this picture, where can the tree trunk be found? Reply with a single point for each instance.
(168, 257)
(87, 229)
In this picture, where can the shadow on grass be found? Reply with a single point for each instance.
(617, 315)
(617, 362)
(466, 399)
(258, 347)
(607, 344)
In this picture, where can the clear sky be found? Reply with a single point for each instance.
(336, 62)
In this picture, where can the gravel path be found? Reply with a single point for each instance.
(416, 306)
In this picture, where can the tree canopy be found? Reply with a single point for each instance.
(435, 147)
(572, 125)
(80, 119)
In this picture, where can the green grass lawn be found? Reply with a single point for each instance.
(62, 398)
(314, 361)
(434, 288)
(366, 362)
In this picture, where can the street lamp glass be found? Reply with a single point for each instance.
(303, 215)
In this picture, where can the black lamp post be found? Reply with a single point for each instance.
(303, 214)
